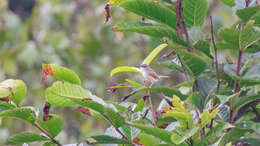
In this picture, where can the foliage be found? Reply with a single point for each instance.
(190, 113)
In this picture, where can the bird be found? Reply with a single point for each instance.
(149, 74)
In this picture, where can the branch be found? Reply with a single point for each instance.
(243, 109)
(46, 133)
(216, 55)
(151, 108)
(236, 87)
(126, 97)
(178, 18)
(166, 99)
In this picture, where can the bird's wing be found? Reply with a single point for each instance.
(153, 74)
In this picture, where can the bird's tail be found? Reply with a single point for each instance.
(163, 77)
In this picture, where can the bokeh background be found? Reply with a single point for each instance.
(72, 33)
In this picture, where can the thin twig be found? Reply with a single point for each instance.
(216, 54)
(166, 99)
(216, 63)
(151, 108)
(145, 114)
(46, 133)
(256, 113)
(126, 97)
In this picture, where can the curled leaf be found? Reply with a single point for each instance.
(154, 53)
(124, 69)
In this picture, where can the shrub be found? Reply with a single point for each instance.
(220, 106)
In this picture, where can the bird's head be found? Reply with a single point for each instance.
(144, 66)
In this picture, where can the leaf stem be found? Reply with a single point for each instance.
(46, 133)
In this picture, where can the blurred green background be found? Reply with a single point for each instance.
(72, 33)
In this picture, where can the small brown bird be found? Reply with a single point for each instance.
(150, 75)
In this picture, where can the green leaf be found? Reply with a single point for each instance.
(249, 125)
(22, 138)
(194, 99)
(151, 11)
(232, 98)
(248, 36)
(245, 82)
(194, 12)
(250, 141)
(180, 113)
(5, 106)
(115, 118)
(90, 104)
(148, 140)
(49, 144)
(52, 126)
(131, 132)
(230, 3)
(119, 107)
(105, 139)
(171, 64)
(243, 100)
(15, 89)
(233, 135)
(203, 46)
(226, 34)
(184, 118)
(167, 91)
(20, 113)
(154, 53)
(162, 134)
(158, 31)
(133, 83)
(206, 117)
(62, 73)
(248, 13)
(140, 105)
(97, 115)
(213, 134)
(180, 139)
(61, 93)
(226, 46)
(124, 69)
(193, 63)
(114, 2)
(206, 86)
(4, 92)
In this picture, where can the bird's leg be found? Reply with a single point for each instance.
(144, 81)
(152, 82)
